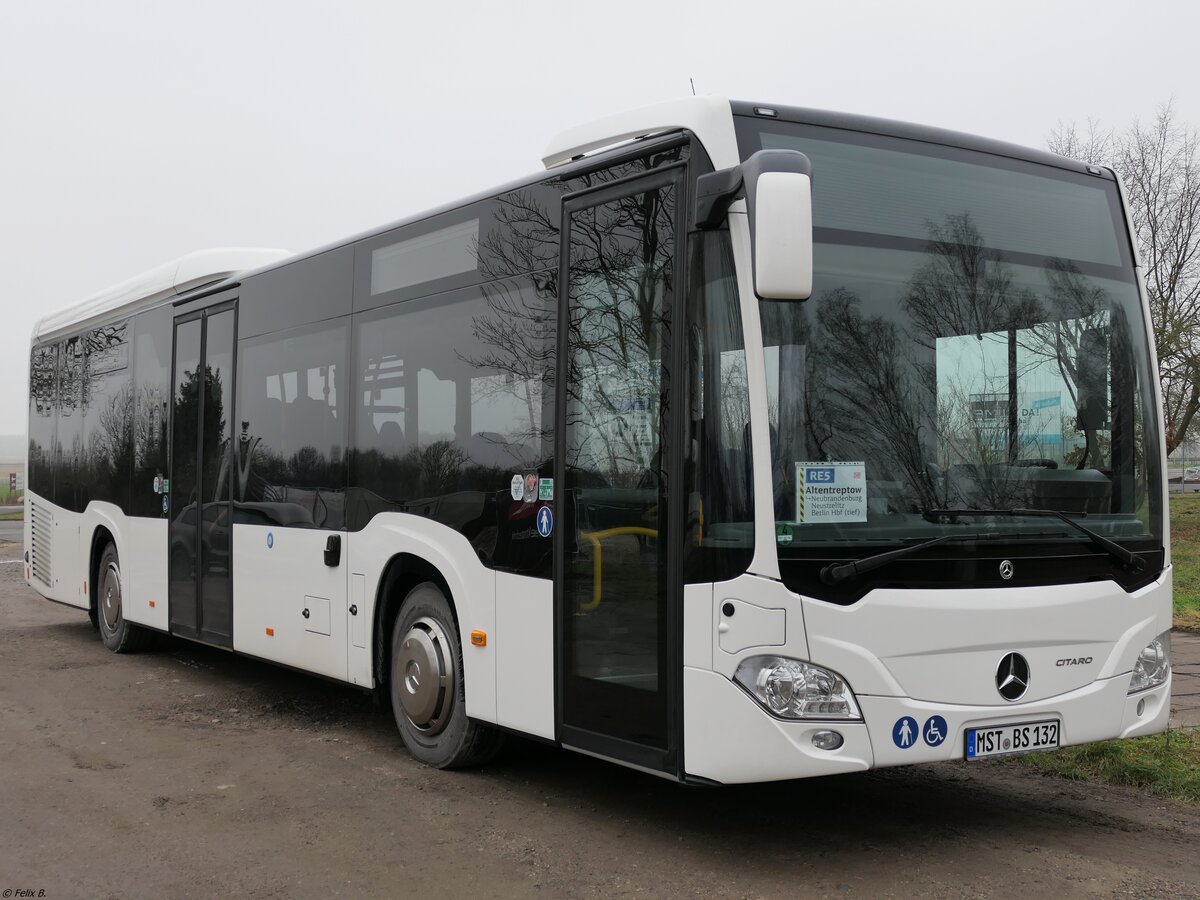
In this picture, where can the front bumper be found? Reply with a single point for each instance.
(729, 738)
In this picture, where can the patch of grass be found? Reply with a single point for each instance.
(12, 516)
(1185, 557)
(1164, 764)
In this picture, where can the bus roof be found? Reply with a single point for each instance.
(147, 289)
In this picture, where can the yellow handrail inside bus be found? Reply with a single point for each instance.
(594, 537)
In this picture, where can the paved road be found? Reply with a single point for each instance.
(190, 773)
(12, 531)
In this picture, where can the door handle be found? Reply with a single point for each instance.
(353, 609)
(333, 550)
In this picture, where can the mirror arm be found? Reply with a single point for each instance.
(715, 192)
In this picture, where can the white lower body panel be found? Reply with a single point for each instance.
(731, 739)
(912, 655)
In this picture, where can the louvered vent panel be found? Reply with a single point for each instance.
(42, 522)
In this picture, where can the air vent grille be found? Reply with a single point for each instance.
(42, 528)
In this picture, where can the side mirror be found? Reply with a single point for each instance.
(777, 185)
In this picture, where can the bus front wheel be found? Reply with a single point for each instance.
(427, 690)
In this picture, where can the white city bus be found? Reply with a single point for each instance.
(741, 443)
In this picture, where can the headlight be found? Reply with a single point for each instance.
(1153, 664)
(793, 689)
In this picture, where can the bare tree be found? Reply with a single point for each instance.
(1160, 170)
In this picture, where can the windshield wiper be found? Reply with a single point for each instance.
(835, 572)
(1112, 548)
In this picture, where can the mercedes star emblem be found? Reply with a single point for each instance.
(1012, 677)
(1006, 569)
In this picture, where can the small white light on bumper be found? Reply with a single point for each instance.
(792, 689)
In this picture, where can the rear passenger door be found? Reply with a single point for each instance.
(200, 590)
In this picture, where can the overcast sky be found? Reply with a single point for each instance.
(133, 133)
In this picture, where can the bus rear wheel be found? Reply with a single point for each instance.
(427, 690)
(118, 634)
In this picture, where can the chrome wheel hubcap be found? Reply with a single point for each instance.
(110, 597)
(424, 676)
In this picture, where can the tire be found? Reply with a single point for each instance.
(118, 635)
(431, 712)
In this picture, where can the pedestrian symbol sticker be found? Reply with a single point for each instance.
(934, 731)
(545, 521)
(904, 732)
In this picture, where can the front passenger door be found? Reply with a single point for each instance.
(617, 586)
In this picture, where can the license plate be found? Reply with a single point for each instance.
(1002, 740)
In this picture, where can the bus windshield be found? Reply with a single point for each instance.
(974, 340)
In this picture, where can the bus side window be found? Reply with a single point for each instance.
(291, 430)
(450, 393)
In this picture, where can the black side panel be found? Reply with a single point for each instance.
(68, 443)
(43, 390)
(216, 578)
(108, 420)
(152, 393)
(305, 291)
(185, 528)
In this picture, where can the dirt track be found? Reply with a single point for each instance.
(188, 772)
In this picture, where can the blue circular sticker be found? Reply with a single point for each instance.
(935, 730)
(904, 732)
(270, 539)
(545, 521)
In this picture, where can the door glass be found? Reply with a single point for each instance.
(216, 547)
(614, 574)
(184, 530)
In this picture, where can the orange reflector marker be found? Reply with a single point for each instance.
(479, 638)
(270, 632)
(152, 604)
(85, 587)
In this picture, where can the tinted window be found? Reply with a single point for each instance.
(436, 255)
(302, 292)
(451, 396)
(68, 462)
(900, 188)
(152, 380)
(43, 391)
(291, 430)
(717, 454)
(108, 421)
(426, 257)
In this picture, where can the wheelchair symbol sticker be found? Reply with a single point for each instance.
(545, 521)
(934, 731)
